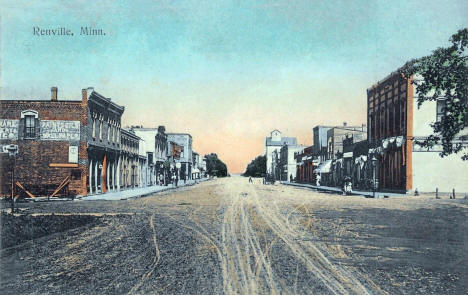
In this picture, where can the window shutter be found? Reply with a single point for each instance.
(37, 126)
(21, 129)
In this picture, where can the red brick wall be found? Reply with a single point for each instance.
(390, 113)
(34, 156)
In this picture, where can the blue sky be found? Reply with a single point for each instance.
(226, 71)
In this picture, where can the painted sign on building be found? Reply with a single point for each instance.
(60, 130)
(73, 154)
(9, 129)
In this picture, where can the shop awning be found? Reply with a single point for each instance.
(361, 160)
(324, 167)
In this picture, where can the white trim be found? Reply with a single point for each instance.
(29, 113)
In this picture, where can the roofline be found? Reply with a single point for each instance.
(179, 134)
(144, 128)
(349, 127)
(389, 76)
(129, 133)
(107, 100)
(37, 100)
(323, 126)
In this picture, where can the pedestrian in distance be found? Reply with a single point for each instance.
(250, 179)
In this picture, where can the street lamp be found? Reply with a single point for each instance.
(374, 166)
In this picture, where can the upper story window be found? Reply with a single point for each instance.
(441, 103)
(94, 128)
(108, 131)
(29, 127)
(100, 129)
(30, 123)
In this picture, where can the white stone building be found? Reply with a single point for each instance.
(287, 161)
(148, 139)
(429, 169)
(274, 143)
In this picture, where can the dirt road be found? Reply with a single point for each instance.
(229, 236)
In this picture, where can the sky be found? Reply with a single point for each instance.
(227, 72)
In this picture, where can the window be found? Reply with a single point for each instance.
(29, 127)
(100, 130)
(440, 110)
(108, 131)
(29, 124)
(94, 128)
(466, 114)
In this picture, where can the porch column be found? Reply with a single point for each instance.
(90, 177)
(113, 175)
(118, 174)
(104, 175)
(96, 176)
(107, 175)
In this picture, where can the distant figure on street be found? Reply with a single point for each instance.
(318, 180)
(250, 179)
(263, 178)
(290, 178)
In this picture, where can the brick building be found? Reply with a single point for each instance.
(56, 146)
(104, 142)
(389, 115)
(395, 127)
(305, 165)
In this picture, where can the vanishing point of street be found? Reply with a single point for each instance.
(229, 236)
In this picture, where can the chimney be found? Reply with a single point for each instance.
(85, 93)
(53, 93)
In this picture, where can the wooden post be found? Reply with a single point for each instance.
(62, 185)
(453, 194)
(104, 178)
(13, 187)
(437, 192)
(25, 190)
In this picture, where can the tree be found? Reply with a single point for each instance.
(214, 166)
(257, 167)
(444, 74)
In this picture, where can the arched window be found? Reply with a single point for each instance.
(29, 124)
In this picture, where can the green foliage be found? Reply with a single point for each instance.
(257, 167)
(215, 166)
(444, 74)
